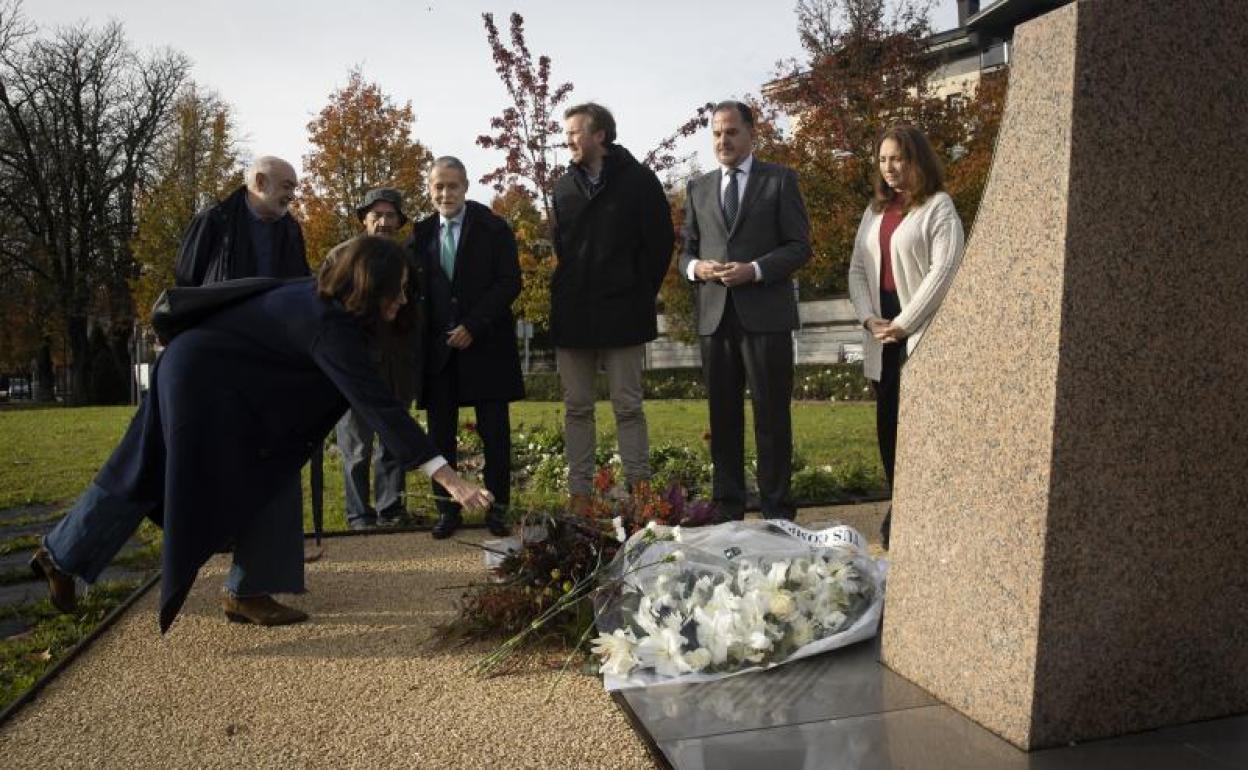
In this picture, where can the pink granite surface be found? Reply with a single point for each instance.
(1069, 536)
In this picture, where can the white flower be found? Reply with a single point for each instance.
(835, 620)
(698, 659)
(661, 651)
(676, 534)
(715, 633)
(802, 630)
(782, 605)
(646, 617)
(618, 524)
(617, 651)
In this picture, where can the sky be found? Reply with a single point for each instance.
(650, 62)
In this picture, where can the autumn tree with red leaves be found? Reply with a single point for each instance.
(529, 133)
(865, 69)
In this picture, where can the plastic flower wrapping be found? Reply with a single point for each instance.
(686, 605)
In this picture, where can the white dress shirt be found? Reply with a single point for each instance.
(743, 176)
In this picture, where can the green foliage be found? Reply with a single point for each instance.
(199, 162)
(47, 456)
(826, 483)
(26, 657)
(832, 382)
(681, 464)
(813, 382)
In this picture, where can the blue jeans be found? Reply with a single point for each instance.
(355, 443)
(268, 553)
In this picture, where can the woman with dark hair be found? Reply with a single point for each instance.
(238, 402)
(907, 250)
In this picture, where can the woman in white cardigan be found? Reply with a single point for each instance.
(905, 255)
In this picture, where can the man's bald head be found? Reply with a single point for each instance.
(271, 185)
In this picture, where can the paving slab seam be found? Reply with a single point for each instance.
(639, 728)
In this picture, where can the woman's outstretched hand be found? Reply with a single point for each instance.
(467, 494)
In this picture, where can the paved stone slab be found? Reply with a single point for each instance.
(357, 686)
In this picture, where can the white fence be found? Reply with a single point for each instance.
(829, 333)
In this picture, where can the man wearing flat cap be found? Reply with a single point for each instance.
(397, 355)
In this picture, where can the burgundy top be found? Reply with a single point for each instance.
(893, 214)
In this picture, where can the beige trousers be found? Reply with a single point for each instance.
(577, 367)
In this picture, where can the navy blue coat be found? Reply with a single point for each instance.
(237, 404)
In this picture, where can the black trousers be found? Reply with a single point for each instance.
(731, 358)
(493, 425)
(888, 391)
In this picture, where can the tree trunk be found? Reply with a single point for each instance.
(44, 375)
(80, 353)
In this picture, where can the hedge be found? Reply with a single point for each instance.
(811, 382)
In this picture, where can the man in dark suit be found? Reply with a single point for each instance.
(746, 233)
(471, 275)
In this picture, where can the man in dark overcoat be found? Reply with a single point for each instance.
(613, 239)
(250, 233)
(746, 234)
(471, 275)
(397, 353)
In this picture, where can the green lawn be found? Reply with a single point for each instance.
(48, 455)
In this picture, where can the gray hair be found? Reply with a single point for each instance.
(267, 164)
(450, 161)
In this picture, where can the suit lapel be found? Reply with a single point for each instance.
(716, 179)
(753, 183)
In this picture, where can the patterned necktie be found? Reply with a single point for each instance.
(448, 249)
(732, 198)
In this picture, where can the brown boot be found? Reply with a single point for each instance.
(262, 610)
(60, 586)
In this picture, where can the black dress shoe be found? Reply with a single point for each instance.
(496, 522)
(446, 525)
(396, 517)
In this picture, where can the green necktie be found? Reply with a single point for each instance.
(448, 249)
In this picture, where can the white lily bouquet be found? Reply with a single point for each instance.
(697, 604)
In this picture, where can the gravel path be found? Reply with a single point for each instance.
(357, 686)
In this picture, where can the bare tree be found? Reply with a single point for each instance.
(80, 113)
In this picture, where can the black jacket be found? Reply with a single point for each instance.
(217, 247)
(486, 282)
(613, 248)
